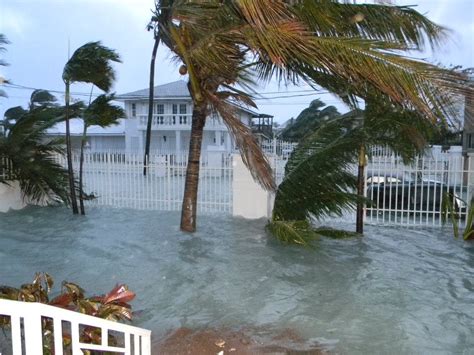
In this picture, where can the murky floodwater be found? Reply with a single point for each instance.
(393, 291)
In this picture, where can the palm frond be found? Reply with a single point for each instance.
(91, 63)
(102, 113)
(250, 150)
(400, 24)
(318, 180)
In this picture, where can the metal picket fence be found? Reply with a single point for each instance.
(412, 194)
(116, 179)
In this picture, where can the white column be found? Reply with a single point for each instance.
(228, 143)
(140, 141)
(218, 137)
(178, 141)
(250, 200)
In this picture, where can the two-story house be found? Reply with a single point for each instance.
(171, 124)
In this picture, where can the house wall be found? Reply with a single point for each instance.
(103, 143)
(213, 138)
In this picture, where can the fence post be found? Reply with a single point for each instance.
(33, 331)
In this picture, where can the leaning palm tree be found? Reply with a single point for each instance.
(27, 155)
(224, 45)
(102, 113)
(90, 63)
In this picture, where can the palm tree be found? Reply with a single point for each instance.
(225, 44)
(152, 26)
(28, 156)
(90, 63)
(99, 113)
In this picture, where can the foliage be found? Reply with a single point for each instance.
(91, 63)
(350, 49)
(113, 306)
(308, 120)
(450, 209)
(28, 156)
(317, 176)
(102, 113)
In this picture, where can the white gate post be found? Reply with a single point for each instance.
(249, 199)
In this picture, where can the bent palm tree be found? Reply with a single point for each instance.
(228, 43)
(99, 113)
(90, 63)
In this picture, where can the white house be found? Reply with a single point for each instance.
(171, 124)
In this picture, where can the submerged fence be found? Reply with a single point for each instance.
(116, 179)
(398, 193)
(413, 194)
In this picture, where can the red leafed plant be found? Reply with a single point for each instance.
(112, 306)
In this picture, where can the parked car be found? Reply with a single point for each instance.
(407, 193)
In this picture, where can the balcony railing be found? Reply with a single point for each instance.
(160, 122)
(26, 322)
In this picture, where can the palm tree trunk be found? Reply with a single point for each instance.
(150, 104)
(81, 170)
(189, 208)
(70, 170)
(360, 191)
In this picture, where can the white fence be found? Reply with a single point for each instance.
(400, 194)
(413, 194)
(26, 331)
(117, 180)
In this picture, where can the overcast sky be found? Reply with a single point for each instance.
(39, 31)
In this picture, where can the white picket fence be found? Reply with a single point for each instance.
(26, 331)
(116, 179)
(400, 194)
(413, 194)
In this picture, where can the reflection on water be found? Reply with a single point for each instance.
(393, 291)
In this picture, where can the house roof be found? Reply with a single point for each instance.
(76, 126)
(176, 89)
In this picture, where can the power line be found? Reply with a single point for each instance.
(310, 92)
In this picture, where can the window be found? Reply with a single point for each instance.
(160, 109)
(182, 111)
(175, 109)
(134, 110)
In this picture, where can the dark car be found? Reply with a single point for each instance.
(404, 193)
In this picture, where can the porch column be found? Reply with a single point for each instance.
(178, 141)
(227, 142)
(140, 142)
(218, 137)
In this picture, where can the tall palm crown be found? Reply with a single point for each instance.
(349, 49)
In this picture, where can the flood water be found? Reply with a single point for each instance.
(393, 291)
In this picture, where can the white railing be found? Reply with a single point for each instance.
(275, 147)
(160, 122)
(27, 319)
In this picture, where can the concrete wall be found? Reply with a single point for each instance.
(10, 197)
(250, 200)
